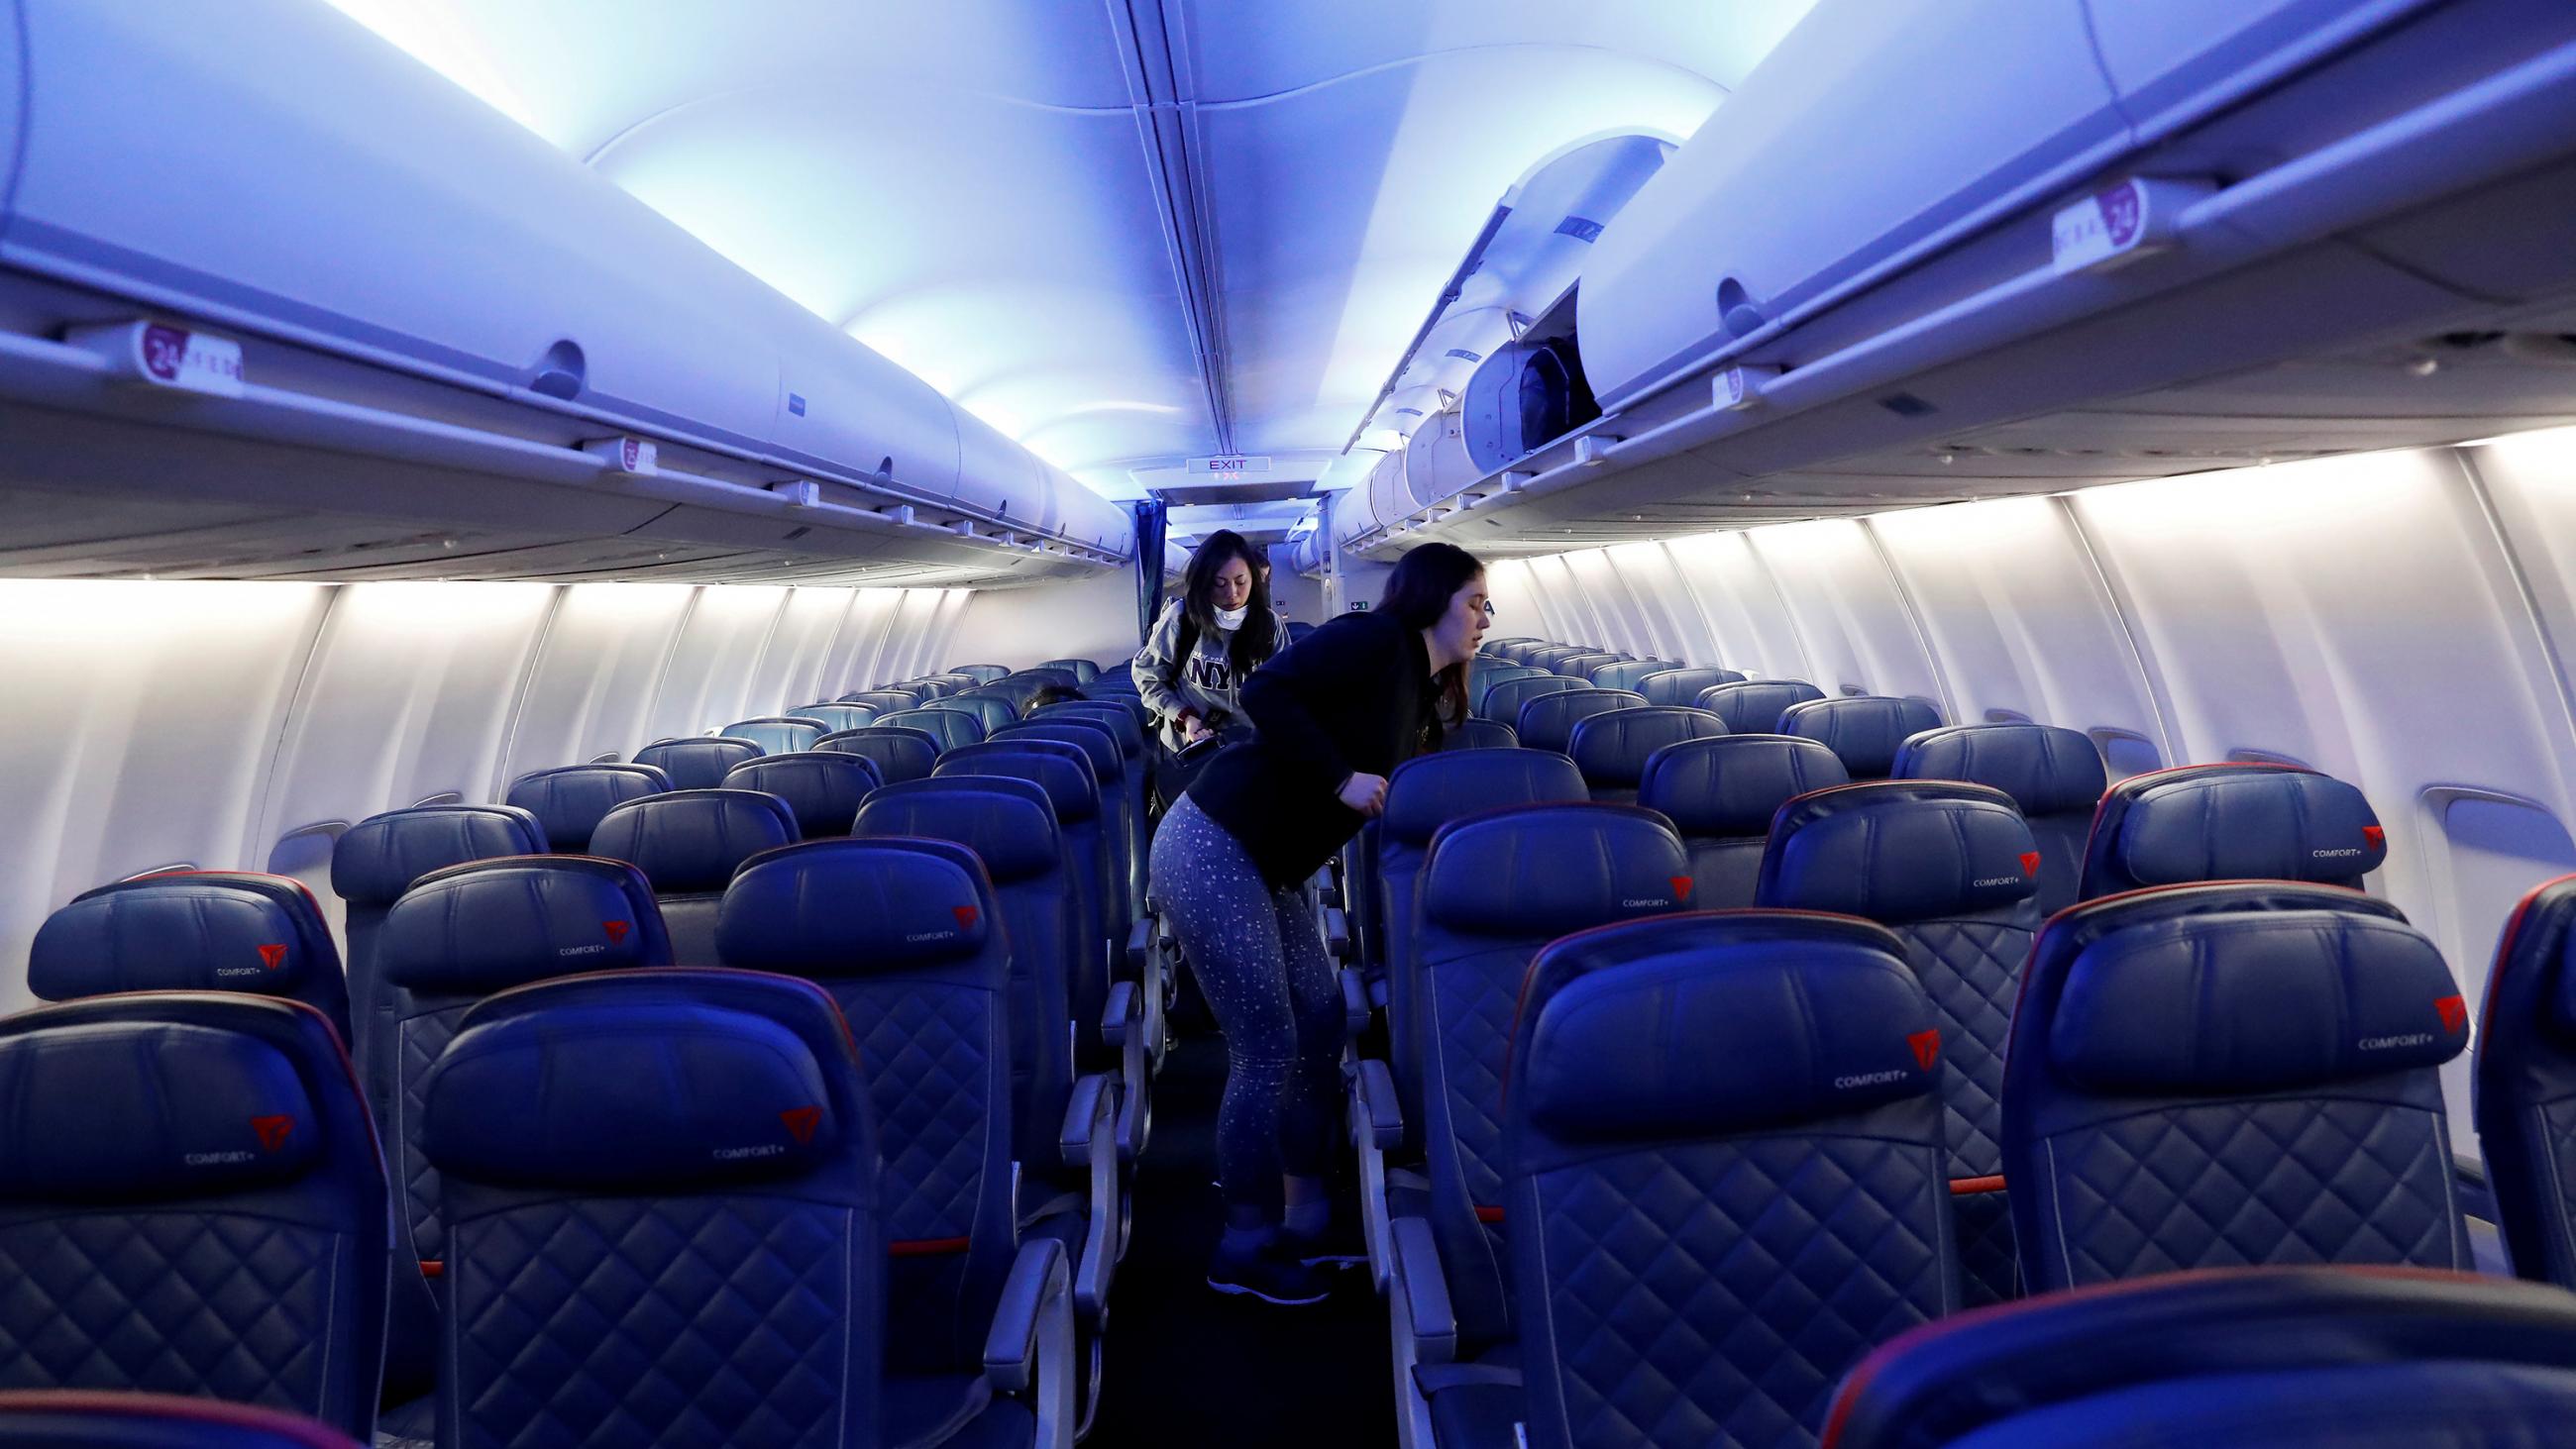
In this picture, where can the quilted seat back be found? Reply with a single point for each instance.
(1130, 736)
(376, 860)
(688, 843)
(906, 937)
(1496, 888)
(1721, 793)
(472, 931)
(822, 788)
(1726, 1180)
(1065, 773)
(662, 1205)
(1611, 749)
(569, 801)
(1865, 730)
(1674, 684)
(192, 931)
(1121, 830)
(2222, 1075)
(698, 762)
(1952, 870)
(2245, 821)
(2526, 1084)
(2053, 775)
(191, 1202)
(898, 753)
(1754, 707)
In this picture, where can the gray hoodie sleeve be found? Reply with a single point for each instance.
(1157, 672)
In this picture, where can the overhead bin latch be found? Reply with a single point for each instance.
(160, 354)
(2124, 221)
(798, 492)
(626, 455)
(1740, 387)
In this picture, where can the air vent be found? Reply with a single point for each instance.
(1408, 412)
(1580, 228)
(1463, 355)
(1906, 405)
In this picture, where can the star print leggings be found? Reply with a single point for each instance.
(1261, 964)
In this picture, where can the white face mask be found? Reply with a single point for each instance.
(1232, 619)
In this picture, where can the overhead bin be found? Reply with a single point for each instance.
(274, 170)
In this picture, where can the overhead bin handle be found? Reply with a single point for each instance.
(1738, 311)
(562, 372)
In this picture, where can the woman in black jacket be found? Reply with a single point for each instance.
(1333, 715)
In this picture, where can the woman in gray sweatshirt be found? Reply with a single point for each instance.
(1220, 629)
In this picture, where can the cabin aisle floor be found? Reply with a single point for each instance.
(1189, 1366)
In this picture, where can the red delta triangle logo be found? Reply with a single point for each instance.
(1927, 1046)
(616, 931)
(1681, 886)
(2375, 836)
(966, 916)
(273, 957)
(2029, 864)
(2455, 1012)
(801, 1122)
(272, 1131)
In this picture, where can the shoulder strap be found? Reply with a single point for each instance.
(1187, 644)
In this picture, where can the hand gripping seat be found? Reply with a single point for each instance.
(1502, 701)
(883, 701)
(1547, 722)
(989, 711)
(2231, 1074)
(688, 844)
(837, 716)
(2231, 822)
(1753, 707)
(898, 753)
(1676, 685)
(1628, 673)
(1496, 888)
(1479, 734)
(191, 1202)
(2526, 1084)
(698, 762)
(101, 1419)
(2299, 1358)
(376, 860)
(1485, 676)
(1612, 749)
(1083, 670)
(192, 931)
(982, 673)
(904, 935)
(469, 932)
(822, 788)
(2054, 775)
(570, 799)
(1721, 793)
(778, 734)
(1951, 869)
(1865, 730)
(1726, 1148)
(950, 727)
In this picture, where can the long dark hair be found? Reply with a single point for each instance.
(1418, 594)
(1258, 639)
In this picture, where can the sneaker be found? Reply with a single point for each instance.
(1340, 1245)
(1269, 1274)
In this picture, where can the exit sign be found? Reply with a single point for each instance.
(1359, 606)
(1231, 465)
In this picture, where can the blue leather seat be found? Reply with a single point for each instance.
(192, 931)
(1611, 749)
(1503, 701)
(1045, 676)
(1950, 868)
(1677, 685)
(1504, 647)
(904, 935)
(822, 788)
(958, 682)
(1123, 824)
(570, 799)
(2231, 822)
(1083, 670)
(883, 701)
(195, 1205)
(1754, 707)
(836, 716)
(951, 728)
(1628, 673)
(989, 711)
(1130, 735)
(376, 860)
(1721, 793)
(777, 734)
(1480, 734)
(688, 844)
(2224, 1075)
(1484, 676)
(1726, 1181)
(1865, 730)
(2526, 1084)
(472, 931)
(929, 687)
(1581, 665)
(2298, 1358)
(101, 1419)
(1497, 888)
(1547, 722)
(697, 762)
(982, 673)
(2054, 775)
(898, 753)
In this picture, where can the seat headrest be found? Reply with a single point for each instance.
(1429, 791)
(822, 788)
(1866, 730)
(1899, 850)
(1006, 822)
(1547, 722)
(951, 727)
(697, 763)
(689, 842)
(1729, 786)
(569, 799)
(898, 753)
(1729, 1036)
(2047, 770)
(378, 858)
(1675, 684)
(1504, 700)
(1115, 717)
(1611, 749)
(1754, 707)
(492, 924)
(1095, 741)
(1061, 770)
(627, 1096)
(163, 1109)
(855, 907)
(1545, 870)
(213, 931)
(2239, 822)
(2257, 1002)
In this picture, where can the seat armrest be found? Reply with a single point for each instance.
(1125, 1009)
(1028, 1351)
(1089, 1113)
(1355, 1001)
(1140, 947)
(1086, 1113)
(1337, 933)
(1416, 1275)
(1380, 1108)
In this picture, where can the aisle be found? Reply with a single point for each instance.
(1192, 1367)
